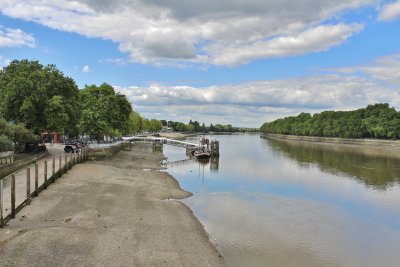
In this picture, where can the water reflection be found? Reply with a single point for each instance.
(378, 169)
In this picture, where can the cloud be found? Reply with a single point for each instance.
(390, 11)
(315, 39)
(207, 32)
(4, 61)
(385, 69)
(86, 69)
(253, 103)
(15, 38)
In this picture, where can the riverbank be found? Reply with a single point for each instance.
(119, 212)
(377, 146)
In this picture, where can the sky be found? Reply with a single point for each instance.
(232, 61)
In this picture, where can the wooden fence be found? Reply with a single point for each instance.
(17, 189)
(7, 160)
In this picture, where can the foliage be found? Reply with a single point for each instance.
(374, 121)
(5, 143)
(39, 96)
(15, 136)
(194, 126)
(104, 112)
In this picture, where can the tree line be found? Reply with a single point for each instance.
(375, 121)
(195, 126)
(35, 99)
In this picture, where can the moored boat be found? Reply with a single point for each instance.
(202, 153)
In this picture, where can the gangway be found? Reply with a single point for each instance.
(161, 140)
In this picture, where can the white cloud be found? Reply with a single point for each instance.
(86, 69)
(207, 31)
(4, 61)
(390, 11)
(315, 39)
(385, 69)
(252, 103)
(15, 38)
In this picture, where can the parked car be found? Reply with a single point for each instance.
(71, 148)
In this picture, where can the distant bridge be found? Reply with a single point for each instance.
(161, 140)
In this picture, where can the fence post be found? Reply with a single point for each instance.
(65, 164)
(1, 204)
(45, 174)
(70, 161)
(59, 167)
(28, 186)
(12, 196)
(53, 167)
(36, 180)
(75, 158)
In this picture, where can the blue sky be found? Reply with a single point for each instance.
(239, 62)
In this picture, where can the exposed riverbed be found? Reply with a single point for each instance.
(280, 203)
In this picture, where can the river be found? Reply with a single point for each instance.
(279, 203)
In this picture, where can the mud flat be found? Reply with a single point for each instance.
(120, 212)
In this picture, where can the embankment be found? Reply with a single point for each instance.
(378, 143)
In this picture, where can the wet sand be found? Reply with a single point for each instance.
(119, 212)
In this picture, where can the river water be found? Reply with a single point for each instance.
(280, 203)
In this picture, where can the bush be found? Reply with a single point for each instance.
(6, 144)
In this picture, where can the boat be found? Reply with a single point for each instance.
(202, 153)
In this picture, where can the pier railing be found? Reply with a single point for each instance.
(18, 188)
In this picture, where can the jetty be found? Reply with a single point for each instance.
(190, 147)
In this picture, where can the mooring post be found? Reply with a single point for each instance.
(45, 174)
(53, 168)
(28, 186)
(12, 196)
(36, 180)
(1, 204)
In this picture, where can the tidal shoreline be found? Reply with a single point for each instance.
(119, 212)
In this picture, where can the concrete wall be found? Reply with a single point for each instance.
(365, 142)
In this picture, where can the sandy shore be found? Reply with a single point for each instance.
(114, 213)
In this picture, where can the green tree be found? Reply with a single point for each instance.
(104, 112)
(27, 91)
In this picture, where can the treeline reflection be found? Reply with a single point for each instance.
(378, 169)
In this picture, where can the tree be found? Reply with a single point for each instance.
(30, 92)
(104, 112)
(374, 121)
(134, 123)
(15, 136)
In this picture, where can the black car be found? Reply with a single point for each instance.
(71, 149)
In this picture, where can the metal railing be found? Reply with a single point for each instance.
(18, 188)
(105, 145)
